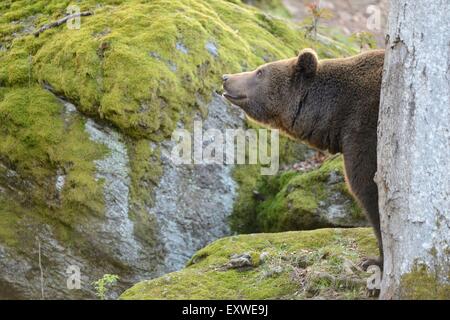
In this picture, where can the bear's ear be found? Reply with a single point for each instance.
(307, 63)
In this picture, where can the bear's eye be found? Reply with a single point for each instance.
(259, 73)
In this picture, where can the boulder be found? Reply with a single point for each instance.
(318, 264)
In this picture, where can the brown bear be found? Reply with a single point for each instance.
(329, 104)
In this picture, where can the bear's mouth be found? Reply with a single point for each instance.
(234, 98)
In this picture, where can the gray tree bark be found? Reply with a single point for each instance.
(413, 174)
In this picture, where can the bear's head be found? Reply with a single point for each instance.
(272, 93)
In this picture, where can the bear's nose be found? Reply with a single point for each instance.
(225, 77)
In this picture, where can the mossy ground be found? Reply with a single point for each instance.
(289, 200)
(296, 265)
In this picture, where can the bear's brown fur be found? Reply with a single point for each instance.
(330, 104)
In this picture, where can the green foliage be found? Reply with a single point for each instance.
(317, 14)
(103, 284)
(281, 274)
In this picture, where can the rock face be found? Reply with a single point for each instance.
(88, 185)
(191, 209)
(114, 171)
(110, 238)
(193, 202)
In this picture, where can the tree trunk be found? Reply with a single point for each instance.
(414, 151)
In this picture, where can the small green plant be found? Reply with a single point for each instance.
(317, 14)
(365, 40)
(102, 285)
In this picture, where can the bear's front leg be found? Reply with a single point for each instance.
(360, 168)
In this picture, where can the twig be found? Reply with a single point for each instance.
(61, 21)
(40, 268)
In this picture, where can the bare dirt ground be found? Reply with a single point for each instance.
(349, 15)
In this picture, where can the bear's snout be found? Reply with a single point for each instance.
(234, 86)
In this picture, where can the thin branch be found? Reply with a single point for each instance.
(61, 21)
(40, 268)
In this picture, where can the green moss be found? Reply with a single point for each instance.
(423, 284)
(10, 215)
(146, 170)
(38, 140)
(289, 200)
(166, 41)
(249, 179)
(26, 138)
(276, 277)
(15, 68)
(21, 224)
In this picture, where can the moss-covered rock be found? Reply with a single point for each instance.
(38, 140)
(291, 265)
(295, 200)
